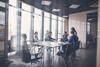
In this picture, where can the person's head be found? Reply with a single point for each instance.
(50, 33)
(24, 36)
(47, 32)
(36, 33)
(73, 29)
(66, 32)
(72, 32)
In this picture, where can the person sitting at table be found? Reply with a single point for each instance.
(35, 38)
(73, 38)
(48, 37)
(65, 37)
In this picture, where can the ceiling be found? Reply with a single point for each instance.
(64, 6)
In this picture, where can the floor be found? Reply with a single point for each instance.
(84, 58)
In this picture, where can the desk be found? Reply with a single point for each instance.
(48, 48)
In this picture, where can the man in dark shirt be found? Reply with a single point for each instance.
(73, 38)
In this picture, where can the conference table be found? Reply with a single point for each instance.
(47, 48)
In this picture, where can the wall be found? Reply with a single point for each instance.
(98, 43)
(1, 48)
(78, 21)
(66, 24)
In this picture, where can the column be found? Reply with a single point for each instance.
(98, 37)
(66, 25)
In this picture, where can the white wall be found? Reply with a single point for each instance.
(78, 21)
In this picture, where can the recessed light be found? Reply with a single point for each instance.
(94, 5)
(74, 6)
(65, 16)
(46, 3)
(56, 10)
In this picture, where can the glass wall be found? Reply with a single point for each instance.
(60, 27)
(2, 30)
(37, 21)
(26, 20)
(12, 27)
(27, 17)
(46, 23)
(53, 26)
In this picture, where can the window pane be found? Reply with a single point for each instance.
(54, 17)
(54, 24)
(46, 14)
(46, 23)
(12, 27)
(26, 7)
(2, 28)
(2, 4)
(38, 22)
(13, 2)
(37, 11)
(60, 27)
(26, 24)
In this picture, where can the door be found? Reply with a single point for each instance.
(91, 30)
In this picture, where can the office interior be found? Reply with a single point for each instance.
(18, 17)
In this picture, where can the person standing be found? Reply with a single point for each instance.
(73, 29)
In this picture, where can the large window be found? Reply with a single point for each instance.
(54, 24)
(26, 20)
(2, 4)
(2, 31)
(37, 21)
(60, 27)
(12, 27)
(13, 2)
(46, 23)
(49, 24)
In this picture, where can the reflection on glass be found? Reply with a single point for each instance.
(38, 22)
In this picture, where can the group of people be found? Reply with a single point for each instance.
(71, 38)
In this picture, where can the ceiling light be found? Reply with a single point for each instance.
(94, 5)
(46, 3)
(56, 10)
(65, 16)
(74, 6)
